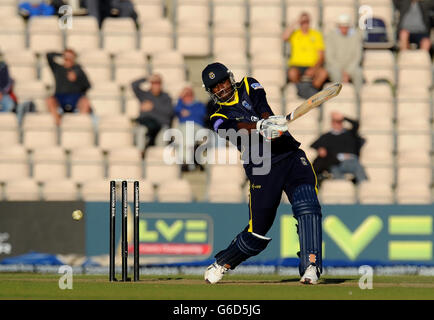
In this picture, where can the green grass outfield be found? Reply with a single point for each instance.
(233, 287)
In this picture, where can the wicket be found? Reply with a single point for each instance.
(124, 227)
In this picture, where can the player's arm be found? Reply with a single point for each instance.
(50, 58)
(136, 88)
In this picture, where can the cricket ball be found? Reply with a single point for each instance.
(77, 215)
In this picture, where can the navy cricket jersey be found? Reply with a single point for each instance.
(248, 105)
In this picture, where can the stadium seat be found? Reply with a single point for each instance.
(274, 98)
(14, 164)
(272, 11)
(87, 163)
(380, 174)
(84, 35)
(265, 36)
(149, 9)
(377, 92)
(378, 149)
(105, 98)
(39, 130)
(218, 174)
(12, 33)
(375, 193)
(376, 115)
(157, 174)
(378, 65)
(306, 138)
(232, 11)
(337, 192)
(295, 7)
(414, 149)
(9, 131)
(62, 190)
(114, 131)
(347, 108)
(77, 131)
(130, 66)
(225, 193)
(45, 34)
(35, 91)
(119, 34)
(49, 164)
(22, 190)
(156, 36)
(269, 68)
(97, 65)
(383, 9)
(414, 116)
(175, 191)
(156, 155)
(223, 156)
(192, 10)
(229, 37)
(371, 9)
(308, 122)
(332, 9)
(193, 38)
(414, 185)
(8, 10)
(125, 163)
(413, 94)
(414, 77)
(170, 65)
(96, 190)
(22, 64)
(235, 61)
(414, 58)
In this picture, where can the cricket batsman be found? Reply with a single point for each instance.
(243, 105)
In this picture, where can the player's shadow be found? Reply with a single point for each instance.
(335, 281)
(321, 281)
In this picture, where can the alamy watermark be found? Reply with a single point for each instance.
(367, 279)
(255, 149)
(66, 19)
(65, 281)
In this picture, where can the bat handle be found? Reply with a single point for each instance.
(289, 116)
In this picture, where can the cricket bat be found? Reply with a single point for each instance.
(315, 101)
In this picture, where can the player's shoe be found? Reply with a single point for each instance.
(310, 276)
(214, 273)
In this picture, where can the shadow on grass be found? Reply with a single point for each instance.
(334, 280)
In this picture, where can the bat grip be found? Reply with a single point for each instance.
(289, 116)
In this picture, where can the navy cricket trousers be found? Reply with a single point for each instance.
(266, 190)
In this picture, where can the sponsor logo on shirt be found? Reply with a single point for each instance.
(246, 105)
(256, 86)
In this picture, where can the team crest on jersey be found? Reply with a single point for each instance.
(211, 75)
(256, 86)
(304, 161)
(253, 118)
(246, 105)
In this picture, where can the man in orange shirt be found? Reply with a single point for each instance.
(307, 53)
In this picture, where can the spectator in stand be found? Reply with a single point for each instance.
(190, 112)
(156, 108)
(339, 151)
(344, 53)
(7, 99)
(71, 86)
(414, 24)
(124, 9)
(32, 8)
(99, 9)
(306, 63)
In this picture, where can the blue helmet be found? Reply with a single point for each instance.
(214, 74)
